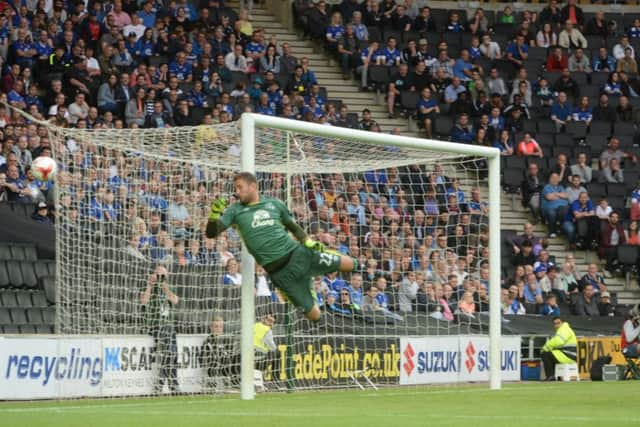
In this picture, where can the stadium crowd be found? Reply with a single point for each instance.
(509, 81)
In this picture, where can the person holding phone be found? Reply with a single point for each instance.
(159, 301)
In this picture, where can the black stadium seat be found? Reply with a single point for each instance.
(17, 253)
(8, 299)
(49, 315)
(23, 298)
(15, 273)
(34, 316)
(5, 281)
(38, 299)
(18, 316)
(27, 329)
(598, 128)
(5, 252)
(28, 274)
(41, 269)
(49, 286)
(44, 329)
(10, 329)
(378, 75)
(409, 100)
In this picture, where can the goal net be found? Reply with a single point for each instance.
(176, 310)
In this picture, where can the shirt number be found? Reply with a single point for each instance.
(326, 259)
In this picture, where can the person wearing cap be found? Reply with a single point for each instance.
(630, 336)
(605, 306)
(561, 348)
(41, 214)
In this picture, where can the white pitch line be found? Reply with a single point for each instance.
(273, 397)
(288, 414)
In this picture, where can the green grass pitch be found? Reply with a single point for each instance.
(522, 405)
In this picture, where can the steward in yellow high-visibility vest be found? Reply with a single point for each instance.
(560, 348)
(263, 336)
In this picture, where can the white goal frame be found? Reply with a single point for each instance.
(248, 125)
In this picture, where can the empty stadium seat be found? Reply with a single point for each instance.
(34, 316)
(5, 316)
(409, 100)
(18, 316)
(600, 129)
(27, 329)
(4, 275)
(44, 329)
(49, 315)
(8, 299)
(11, 329)
(5, 252)
(41, 269)
(38, 299)
(28, 274)
(23, 298)
(15, 273)
(49, 286)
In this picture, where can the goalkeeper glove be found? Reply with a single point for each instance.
(217, 207)
(314, 245)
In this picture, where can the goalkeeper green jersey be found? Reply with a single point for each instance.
(262, 228)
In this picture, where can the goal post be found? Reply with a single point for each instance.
(251, 121)
(132, 204)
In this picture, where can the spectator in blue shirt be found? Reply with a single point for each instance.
(554, 203)
(603, 62)
(561, 111)
(427, 110)
(613, 86)
(334, 31)
(146, 45)
(389, 55)
(147, 14)
(22, 50)
(451, 92)
(463, 67)
(15, 96)
(583, 112)
(181, 68)
(275, 96)
(454, 24)
(517, 51)
(550, 307)
(581, 223)
(463, 130)
(263, 106)
(197, 97)
(232, 276)
(532, 290)
(308, 77)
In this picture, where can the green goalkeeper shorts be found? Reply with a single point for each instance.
(294, 279)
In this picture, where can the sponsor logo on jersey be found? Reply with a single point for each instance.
(261, 218)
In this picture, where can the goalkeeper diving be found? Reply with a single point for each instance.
(264, 224)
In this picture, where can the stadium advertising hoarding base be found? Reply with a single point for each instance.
(429, 360)
(331, 360)
(590, 349)
(61, 367)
